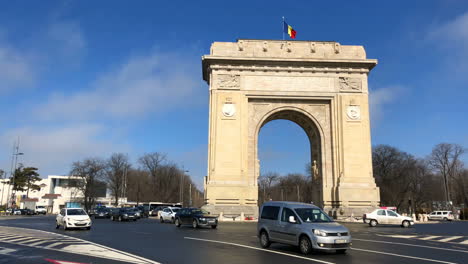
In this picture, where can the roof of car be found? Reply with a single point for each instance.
(285, 203)
(73, 208)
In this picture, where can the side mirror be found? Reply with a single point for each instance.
(292, 219)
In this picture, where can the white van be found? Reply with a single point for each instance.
(40, 209)
(441, 215)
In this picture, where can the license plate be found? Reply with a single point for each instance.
(340, 241)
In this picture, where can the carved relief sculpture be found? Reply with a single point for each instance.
(228, 81)
(347, 84)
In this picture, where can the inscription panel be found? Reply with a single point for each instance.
(288, 83)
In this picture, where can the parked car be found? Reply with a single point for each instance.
(303, 225)
(144, 210)
(102, 213)
(168, 214)
(26, 211)
(16, 211)
(441, 215)
(123, 214)
(73, 218)
(195, 217)
(156, 211)
(40, 209)
(387, 217)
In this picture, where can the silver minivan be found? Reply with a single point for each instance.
(303, 225)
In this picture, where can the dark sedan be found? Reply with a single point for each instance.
(196, 217)
(102, 213)
(123, 214)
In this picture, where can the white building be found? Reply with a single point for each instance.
(55, 193)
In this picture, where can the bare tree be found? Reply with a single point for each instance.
(117, 167)
(90, 173)
(151, 162)
(445, 160)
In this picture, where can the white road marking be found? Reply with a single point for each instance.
(449, 238)
(403, 256)
(412, 245)
(80, 246)
(464, 242)
(398, 236)
(260, 249)
(53, 245)
(6, 251)
(428, 238)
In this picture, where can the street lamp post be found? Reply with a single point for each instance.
(181, 186)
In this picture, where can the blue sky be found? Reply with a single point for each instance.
(89, 78)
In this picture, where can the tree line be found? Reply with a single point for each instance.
(438, 181)
(153, 178)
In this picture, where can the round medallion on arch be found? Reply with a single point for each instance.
(229, 109)
(354, 112)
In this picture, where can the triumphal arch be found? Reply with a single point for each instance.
(322, 87)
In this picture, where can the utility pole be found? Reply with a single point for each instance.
(181, 185)
(190, 193)
(298, 195)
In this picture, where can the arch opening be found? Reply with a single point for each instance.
(312, 191)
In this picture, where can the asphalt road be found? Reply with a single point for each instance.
(33, 239)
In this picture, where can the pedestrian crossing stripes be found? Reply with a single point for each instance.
(463, 240)
(53, 241)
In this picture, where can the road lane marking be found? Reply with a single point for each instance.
(260, 249)
(402, 256)
(449, 238)
(413, 245)
(6, 251)
(428, 238)
(76, 246)
(464, 242)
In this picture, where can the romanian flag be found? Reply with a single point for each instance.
(289, 30)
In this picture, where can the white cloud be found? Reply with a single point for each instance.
(53, 150)
(380, 99)
(16, 69)
(67, 39)
(453, 32)
(141, 85)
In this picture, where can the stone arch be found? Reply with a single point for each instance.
(312, 129)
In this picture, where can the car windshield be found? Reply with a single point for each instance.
(312, 215)
(199, 211)
(76, 212)
(39, 206)
(101, 210)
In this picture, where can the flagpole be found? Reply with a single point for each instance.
(282, 25)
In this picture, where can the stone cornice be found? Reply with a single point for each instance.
(285, 65)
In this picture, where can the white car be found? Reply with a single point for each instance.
(387, 217)
(73, 218)
(441, 215)
(168, 214)
(40, 209)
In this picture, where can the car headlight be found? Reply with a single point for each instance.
(202, 219)
(125, 214)
(318, 232)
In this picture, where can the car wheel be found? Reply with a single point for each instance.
(161, 219)
(120, 219)
(65, 226)
(264, 240)
(88, 228)
(405, 224)
(214, 226)
(112, 218)
(172, 220)
(305, 245)
(194, 223)
(373, 223)
(445, 219)
(341, 251)
(57, 226)
(177, 222)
